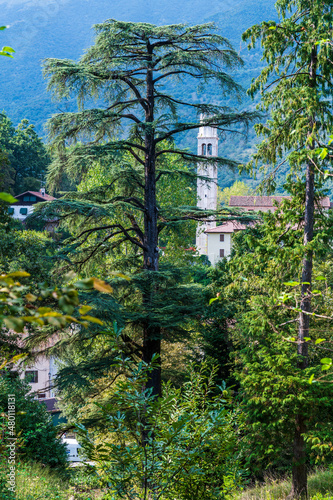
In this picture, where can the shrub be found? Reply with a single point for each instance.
(181, 445)
(37, 436)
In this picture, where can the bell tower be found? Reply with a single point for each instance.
(206, 189)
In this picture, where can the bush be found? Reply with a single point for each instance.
(181, 445)
(36, 435)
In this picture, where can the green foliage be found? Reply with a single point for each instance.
(320, 488)
(130, 212)
(185, 432)
(37, 436)
(25, 157)
(28, 250)
(239, 188)
(6, 51)
(265, 292)
(34, 480)
(298, 100)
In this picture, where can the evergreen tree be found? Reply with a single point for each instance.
(26, 159)
(296, 87)
(127, 69)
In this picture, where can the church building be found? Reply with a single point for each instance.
(216, 241)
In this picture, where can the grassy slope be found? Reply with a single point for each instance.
(320, 488)
(35, 482)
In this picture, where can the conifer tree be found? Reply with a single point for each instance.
(127, 71)
(296, 85)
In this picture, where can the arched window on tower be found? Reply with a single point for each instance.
(209, 150)
(203, 150)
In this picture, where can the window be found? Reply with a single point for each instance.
(11, 211)
(23, 211)
(222, 252)
(31, 376)
(29, 198)
(41, 396)
(221, 237)
(203, 150)
(209, 149)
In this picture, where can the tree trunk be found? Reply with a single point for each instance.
(299, 477)
(299, 472)
(151, 333)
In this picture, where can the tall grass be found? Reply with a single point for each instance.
(320, 488)
(35, 482)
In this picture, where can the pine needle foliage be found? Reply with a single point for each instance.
(125, 73)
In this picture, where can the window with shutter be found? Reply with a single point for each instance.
(222, 252)
(221, 237)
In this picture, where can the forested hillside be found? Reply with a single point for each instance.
(62, 29)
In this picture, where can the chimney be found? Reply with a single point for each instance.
(42, 191)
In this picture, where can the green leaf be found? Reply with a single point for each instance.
(326, 361)
(311, 379)
(18, 274)
(320, 278)
(91, 319)
(8, 198)
(2, 53)
(3, 28)
(213, 300)
(319, 341)
(323, 154)
(18, 357)
(86, 284)
(8, 49)
(291, 283)
(15, 324)
(84, 310)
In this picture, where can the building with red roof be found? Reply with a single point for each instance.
(26, 201)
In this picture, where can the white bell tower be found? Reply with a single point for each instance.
(206, 190)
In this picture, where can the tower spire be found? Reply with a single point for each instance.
(206, 189)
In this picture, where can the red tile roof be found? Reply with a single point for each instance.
(38, 194)
(227, 227)
(265, 201)
(255, 201)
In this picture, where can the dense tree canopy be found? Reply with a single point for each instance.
(24, 157)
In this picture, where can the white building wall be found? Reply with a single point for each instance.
(215, 245)
(206, 190)
(47, 372)
(17, 211)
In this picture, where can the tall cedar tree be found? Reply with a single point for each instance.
(127, 70)
(296, 85)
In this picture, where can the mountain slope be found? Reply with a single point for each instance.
(62, 29)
